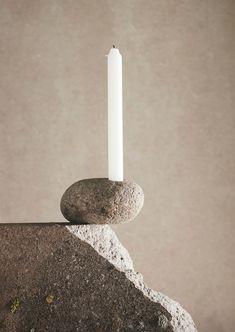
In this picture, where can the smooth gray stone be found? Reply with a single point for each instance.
(101, 201)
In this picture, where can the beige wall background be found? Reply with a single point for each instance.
(179, 81)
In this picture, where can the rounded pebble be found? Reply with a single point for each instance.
(102, 201)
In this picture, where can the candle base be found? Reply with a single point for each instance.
(102, 201)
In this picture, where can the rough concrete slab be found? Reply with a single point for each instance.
(52, 280)
(105, 242)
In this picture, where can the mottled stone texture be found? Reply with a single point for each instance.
(63, 284)
(103, 239)
(101, 201)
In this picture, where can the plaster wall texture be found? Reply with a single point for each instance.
(179, 137)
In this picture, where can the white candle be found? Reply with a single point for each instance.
(115, 122)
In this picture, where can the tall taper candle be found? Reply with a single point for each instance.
(115, 121)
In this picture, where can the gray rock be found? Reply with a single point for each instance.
(106, 243)
(101, 201)
(77, 278)
(50, 280)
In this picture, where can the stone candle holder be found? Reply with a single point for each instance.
(102, 201)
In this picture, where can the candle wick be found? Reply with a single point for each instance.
(114, 46)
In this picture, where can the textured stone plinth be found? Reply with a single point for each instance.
(101, 201)
(77, 278)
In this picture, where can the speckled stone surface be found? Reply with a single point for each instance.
(62, 284)
(104, 240)
(101, 201)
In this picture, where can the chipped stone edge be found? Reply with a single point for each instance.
(103, 239)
